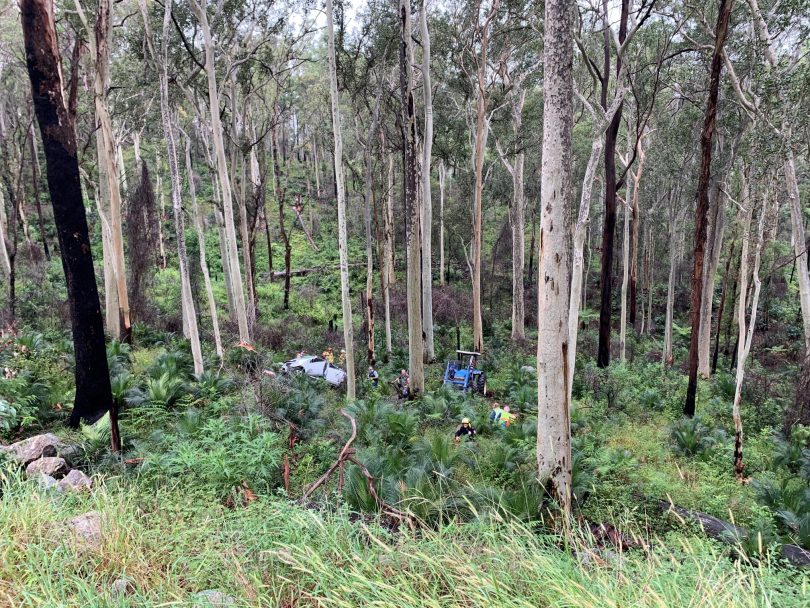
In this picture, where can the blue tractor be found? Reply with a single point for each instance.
(462, 373)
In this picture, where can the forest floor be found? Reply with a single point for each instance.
(169, 545)
(197, 503)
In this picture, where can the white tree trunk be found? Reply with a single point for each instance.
(368, 194)
(673, 263)
(427, 201)
(577, 289)
(553, 416)
(792, 184)
(387, 271)
(650, 282)
(241, 202)
(348, 329)
(5, 262)
(122, 169)
(161, 63)
(235, 273)
(389, 224)
(711, 260)
(482, 31)
(580, 232)
(199, 228)
(118, 323)
(799, 242)
(629, 209)
(223, 249)
(442, 182)
(479, 150)
(516, 213)
(317, 164)
(625, 279)
(162, 201)
(746, 333)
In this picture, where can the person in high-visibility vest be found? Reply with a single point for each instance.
(507, 417)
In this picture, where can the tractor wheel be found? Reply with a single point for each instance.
(481, 384)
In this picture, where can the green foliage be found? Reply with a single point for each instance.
(724, 385)
(119, 357)
(125, 390)
(164, 390)
(792, 453)
(756, 543)
(211, 385)
(175, 364)
(8, 417)
(614, 462)
(215, 456)
(691, 437)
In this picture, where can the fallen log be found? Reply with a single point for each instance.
(728, 532)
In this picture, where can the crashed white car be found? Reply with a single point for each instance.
(315, 367)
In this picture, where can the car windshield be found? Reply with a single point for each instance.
(317, 359)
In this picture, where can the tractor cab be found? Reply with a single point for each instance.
(462, 372)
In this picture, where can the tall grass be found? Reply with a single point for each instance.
(170, 545)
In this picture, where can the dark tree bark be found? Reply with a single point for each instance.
(702, 212)
(93, 392)
(530, 278)
(609, 225)
(12, 260)
(730, 322)
(721, 309)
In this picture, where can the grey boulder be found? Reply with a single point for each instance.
(35, 447)
(86, 530)
(75, 480)
(48, 465)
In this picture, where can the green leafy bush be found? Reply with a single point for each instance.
(691, 437)
(216, 456)
(8, 417)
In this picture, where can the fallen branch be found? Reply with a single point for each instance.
(384, 506)
(341, 458)
(347, 454)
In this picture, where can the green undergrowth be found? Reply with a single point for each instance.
(170, 544)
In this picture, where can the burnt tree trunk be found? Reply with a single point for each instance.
(609, 226)
(93, 392)
(701, 214)
(720, 310)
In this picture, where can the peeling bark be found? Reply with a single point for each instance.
(553, 417)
